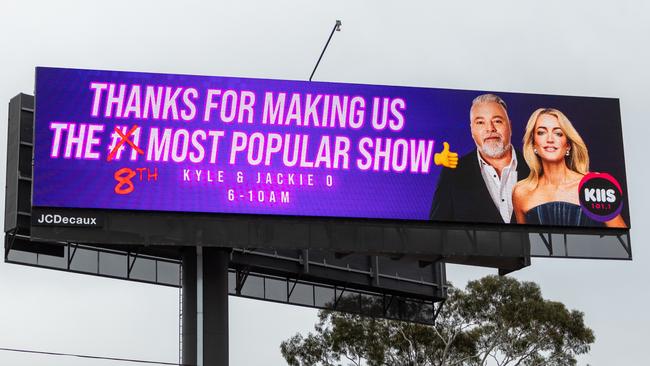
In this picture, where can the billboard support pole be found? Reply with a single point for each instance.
(188, 337)
(215, 306)
(199, 306)
(205, 306)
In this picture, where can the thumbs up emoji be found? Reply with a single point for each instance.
(446, 158)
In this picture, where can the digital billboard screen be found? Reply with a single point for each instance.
(224, 145)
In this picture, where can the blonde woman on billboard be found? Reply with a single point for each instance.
(558, 159)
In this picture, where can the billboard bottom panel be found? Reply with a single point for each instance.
(459, 243)
(396, 288)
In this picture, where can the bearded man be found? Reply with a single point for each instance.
(480, 188)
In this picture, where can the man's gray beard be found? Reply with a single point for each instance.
(495, 150)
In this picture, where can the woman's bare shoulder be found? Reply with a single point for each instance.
(575, 177)
(522, 189)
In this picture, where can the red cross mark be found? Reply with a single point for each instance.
(124, 139)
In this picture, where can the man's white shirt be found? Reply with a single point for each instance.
(500, 188)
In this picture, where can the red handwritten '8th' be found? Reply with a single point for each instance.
(124, 184)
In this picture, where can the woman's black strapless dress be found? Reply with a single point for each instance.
(559, 213)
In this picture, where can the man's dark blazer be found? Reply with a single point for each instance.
(462, 195)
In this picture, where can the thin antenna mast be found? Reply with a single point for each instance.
(337, 27)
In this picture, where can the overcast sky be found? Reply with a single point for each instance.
(592, 48)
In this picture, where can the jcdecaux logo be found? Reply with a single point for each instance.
(60, 219)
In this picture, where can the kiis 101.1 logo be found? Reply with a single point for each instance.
(601, 196)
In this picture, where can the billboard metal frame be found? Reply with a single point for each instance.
(275, 258)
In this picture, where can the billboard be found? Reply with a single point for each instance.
(221, 145)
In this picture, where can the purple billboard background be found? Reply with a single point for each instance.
(64, 95)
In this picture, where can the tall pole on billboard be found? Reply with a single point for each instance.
(199, 306)
(189, 332)
(215, 306)
(337, 27)
(205, 306)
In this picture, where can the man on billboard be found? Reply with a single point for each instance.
(480, 188)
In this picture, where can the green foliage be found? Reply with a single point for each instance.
(495, 320)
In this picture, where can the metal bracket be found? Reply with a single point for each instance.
(338, 298)
(547, 242)
(625, 245)
(437, 312)
(241, 277)
(71, 256)
(130, 263)
(12, 238)
(293, 287)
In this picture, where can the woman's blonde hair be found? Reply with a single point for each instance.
(578, 159)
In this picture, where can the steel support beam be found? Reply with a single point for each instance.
(189, 306)
(215, 306)
(205, 306)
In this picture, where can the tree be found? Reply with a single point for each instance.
(494, 321)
